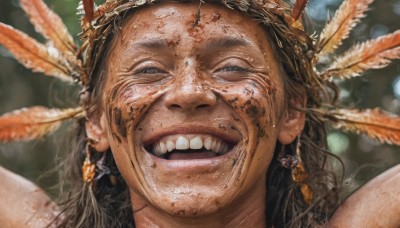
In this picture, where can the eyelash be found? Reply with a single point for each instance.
(233, 68)
(150, 70)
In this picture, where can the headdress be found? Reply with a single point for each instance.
(61, 58)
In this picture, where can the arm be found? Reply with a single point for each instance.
(22, 203)
(376, 204)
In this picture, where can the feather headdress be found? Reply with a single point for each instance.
(61, 58)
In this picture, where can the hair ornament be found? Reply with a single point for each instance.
(34, 122)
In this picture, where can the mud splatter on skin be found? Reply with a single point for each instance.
(194, 213)
(114, 92)
(181, 212)
(119, 102)
(174, 42)
(234, 161)
(119, 122)
(160, 27)
(215, 16)
(257, 103)
(195, 30)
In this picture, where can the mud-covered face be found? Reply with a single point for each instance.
(192, 113)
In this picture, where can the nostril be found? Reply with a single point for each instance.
(175, 106)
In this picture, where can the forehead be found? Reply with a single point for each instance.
(180, 22)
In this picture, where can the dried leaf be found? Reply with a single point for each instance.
(338, 29)
(298, 8)
(33, 123)
(373, 122)
(373, 54)
(32, 54)
(88, 6)
(49, 24)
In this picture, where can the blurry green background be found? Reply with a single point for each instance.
(364, 158)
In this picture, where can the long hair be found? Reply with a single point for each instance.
(107, 202)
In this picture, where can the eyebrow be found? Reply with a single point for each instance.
(155, 43)
(227, 42)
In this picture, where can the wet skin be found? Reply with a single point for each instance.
(219, 79)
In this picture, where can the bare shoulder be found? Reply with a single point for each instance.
(376, 204)
(22, 203)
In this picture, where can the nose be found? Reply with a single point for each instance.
(189, 95)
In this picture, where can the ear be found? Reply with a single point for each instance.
(292, 123)
(96, 129)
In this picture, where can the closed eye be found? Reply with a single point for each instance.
(233, 68)
(150, 70)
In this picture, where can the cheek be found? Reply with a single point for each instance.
(255, 101)
(125, 105)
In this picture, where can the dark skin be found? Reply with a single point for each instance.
(167, 79)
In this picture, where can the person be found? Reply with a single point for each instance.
(193, 114)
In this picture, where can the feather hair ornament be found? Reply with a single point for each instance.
(375, 123)
(50, 25)
(372, 54)
(338, 29)
(33, 123)
(34, 55)
(58, 59)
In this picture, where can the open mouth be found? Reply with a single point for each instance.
(189, 146)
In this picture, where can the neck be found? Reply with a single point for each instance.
(249, 211)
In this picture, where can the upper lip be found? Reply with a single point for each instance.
(229, 136)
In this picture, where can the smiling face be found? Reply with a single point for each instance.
(192, 113)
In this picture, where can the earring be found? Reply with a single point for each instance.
(88, 168)
(299, 175)
(101, 167)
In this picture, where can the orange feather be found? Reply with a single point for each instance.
(338, 29)
(33, 123)
(49, 24)
(32, 54)
(374, 54)
(373, 122)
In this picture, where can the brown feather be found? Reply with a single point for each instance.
(338, 29)
(298, 8)
(32, 54)
(49, 24)
(373, 122)
(88, 6)
(33, 123)
(372, 54)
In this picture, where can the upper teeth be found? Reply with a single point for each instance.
(185, 142)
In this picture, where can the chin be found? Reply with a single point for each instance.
(196, 175)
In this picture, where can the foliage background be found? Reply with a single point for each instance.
(363, 158)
